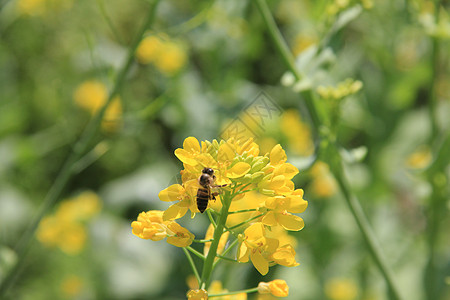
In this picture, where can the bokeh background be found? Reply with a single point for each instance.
(383, 64)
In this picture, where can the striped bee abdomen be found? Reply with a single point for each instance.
(203, 196)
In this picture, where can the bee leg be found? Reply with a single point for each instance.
(213, 195)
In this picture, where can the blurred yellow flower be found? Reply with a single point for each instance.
(91, 96)
(343, 89)
(323, 184)
(277, 287)
(303, 41)
(197, 294)
(168, 56)
(419, 159)
(297, 132)
(65, 229)
(341, 289)
(71, 286)
(42, 7)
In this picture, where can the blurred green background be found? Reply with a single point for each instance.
(383, 64)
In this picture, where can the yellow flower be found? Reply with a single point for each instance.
(285, 256)
(297, 132)
(91, 96)
(197, 294)
(172, 58)
(419, 159)
(149, 49)
(258, 247)
(71, 286)
(65, 228)
(323, 183)
(150, 225)
(277, 287)
(280, 206)
(169, 57)
(341, 289)
(185, 196)
(178, 235)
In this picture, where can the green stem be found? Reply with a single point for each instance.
(211, 219)
(203, 241)
(209, 262)
(242, 211)
(245, 222)
(226, 258)
(234, 243)
(78, 151)
(191, 262)
(367, 233)
(253, 290)
(352, 202)
(434, 62)
(287, 56)
(195, 252)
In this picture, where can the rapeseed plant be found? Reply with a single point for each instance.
(258, 194)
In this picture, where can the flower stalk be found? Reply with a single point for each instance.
(335, 160)
(209, 262)
(79, 149)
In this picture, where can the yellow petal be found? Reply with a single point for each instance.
(269, 219)
(285, 256)
(191, 144)
(174, 211)
(185, 157)
(197, 294)
(238, 170)
(298, 205)
(277, 155)
(259, 262)
(254, 231)
(172, 193)
(225, 153)
(277, 182)
(279, 288)
(290, 222)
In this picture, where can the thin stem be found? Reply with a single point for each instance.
(226, 251)
(367, 233)
(191, 262)
(211, 219)
(203, 241)
(225, 258)
(209, 262)
(245, 222)
(108, 20)
(195, 252)
(242, 211)
(287, 56)
(352, 202)
(253, 290)
(78, 151)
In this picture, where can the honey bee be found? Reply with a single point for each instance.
(204, 193)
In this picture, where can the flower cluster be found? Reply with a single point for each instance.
(150, 226)
(343, 89)
(66, 229)
(258, 205)
(168, 56)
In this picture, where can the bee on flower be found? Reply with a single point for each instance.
(257, 198)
